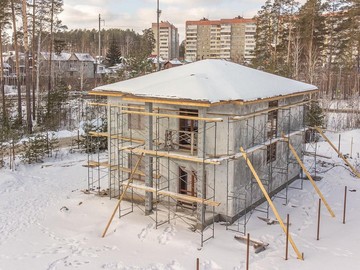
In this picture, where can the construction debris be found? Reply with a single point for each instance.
(257, 244)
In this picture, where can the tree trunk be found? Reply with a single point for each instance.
(5, 122)
(38, 95)
(17, 61)
(51, 50)
(33, 75)
(27, 69)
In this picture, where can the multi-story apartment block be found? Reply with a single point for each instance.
(169, 40)
(225, 39)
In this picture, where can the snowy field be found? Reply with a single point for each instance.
(37, 232)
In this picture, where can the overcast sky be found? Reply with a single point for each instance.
(139, 14)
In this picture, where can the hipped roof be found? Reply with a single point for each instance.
(210, 80)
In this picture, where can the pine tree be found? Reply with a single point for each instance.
(348, 51)
(314, 118)
(264, 37)
(113, 55)
(311, 29)
(4, 23)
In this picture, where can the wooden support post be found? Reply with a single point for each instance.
(247, 251)
(344, 213)
(273, 208)
(287, 237)
(339, 145)
(309, 177)
(123, 194)
(197, 264)
(318, 224)
(337, 151)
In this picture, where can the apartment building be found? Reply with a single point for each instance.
(169, 40)
(231, 39)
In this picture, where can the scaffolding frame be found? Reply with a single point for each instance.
(293, 125)
(125, 143)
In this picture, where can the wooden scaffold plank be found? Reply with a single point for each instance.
(309, 176)
(173, 156)
(321, 132)
(174, 195)
(106, 134)
(299, 255)
(177, 116)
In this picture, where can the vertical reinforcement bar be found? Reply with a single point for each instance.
(299, 255)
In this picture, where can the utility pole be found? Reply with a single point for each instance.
(99, 38)
(98, 61)
(158, 12)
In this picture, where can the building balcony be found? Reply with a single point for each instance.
(181, 140)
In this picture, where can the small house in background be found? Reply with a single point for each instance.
(60, 64)
(154, 60)
(172, 63)
(83, 64)
(176, 135)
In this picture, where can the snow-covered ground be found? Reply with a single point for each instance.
(37, 232)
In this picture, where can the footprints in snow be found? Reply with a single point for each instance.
(144, 232)
(163, 238)
(166, 235)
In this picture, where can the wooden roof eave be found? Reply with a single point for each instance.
(195, 103)
(171, 101)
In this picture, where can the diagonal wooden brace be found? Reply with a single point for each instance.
(309, 176)
(321, 132)
(273, 208)
(123, 194)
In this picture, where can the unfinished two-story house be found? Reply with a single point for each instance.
(175, 137)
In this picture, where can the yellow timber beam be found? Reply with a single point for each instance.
(123, 194)
(309, 176)
(175, 116)
(273, 208)
(182, 197)
(321, 132)
(173, 156)
(106, 134)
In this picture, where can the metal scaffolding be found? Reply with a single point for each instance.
(176, 176)
(140, 129)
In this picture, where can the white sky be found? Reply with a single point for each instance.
(139, 14)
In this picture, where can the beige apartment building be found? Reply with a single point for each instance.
(231, 39)
(169, 40)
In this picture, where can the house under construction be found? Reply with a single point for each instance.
(174, 140)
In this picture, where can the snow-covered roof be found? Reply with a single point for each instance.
(84, 57)
(175, 61)
(56, 57)
(154, 60)
(209, 80)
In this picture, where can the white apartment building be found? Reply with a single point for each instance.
(168, 39)
(231, 39)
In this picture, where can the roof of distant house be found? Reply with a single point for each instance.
(56, 57)
(175, 61)
(84, 57)
(210, 80)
